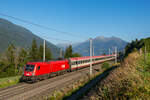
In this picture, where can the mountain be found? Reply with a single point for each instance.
(20, 37)
(63, 45)
(101, 45)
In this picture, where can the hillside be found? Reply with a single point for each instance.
(101, 45)
(19, 36)
(130, 81)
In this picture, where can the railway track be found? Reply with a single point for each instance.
(26, 91)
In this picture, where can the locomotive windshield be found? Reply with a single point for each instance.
(29, 68)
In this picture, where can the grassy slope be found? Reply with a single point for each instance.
(5, 82)
(130, 81)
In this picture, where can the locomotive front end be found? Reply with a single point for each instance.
(29, 73)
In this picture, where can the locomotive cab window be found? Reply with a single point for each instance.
(29, 68)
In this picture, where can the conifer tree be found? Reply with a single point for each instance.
(48, 54)
(40, 53)
(9, 61)
(68, 52)
(22, 59)
(34, 51)
(10, 54)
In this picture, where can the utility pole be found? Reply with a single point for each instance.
(115, 54)
(44, 51)
(90, 56)
(93, 51)
(109, 51)
(60, 52)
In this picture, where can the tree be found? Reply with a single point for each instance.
(137, 45)
(22, 59)
(34, 51)
(48, 54)
(104, 53)
(68, 52)
(40, 53)
(10, 54)
(9, 62)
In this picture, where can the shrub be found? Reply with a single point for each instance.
(105, 65)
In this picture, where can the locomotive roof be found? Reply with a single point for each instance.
(46, 62)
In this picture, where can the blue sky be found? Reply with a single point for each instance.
(127, 19)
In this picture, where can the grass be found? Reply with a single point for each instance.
(9, 81)
(130, 81)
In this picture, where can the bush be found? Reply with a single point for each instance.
(105, 65)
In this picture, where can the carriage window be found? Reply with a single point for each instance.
(73, 63)
(78, 62)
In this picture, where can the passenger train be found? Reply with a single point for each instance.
(34, 71)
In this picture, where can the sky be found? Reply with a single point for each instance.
(81, 19)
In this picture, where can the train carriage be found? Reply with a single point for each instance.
(81, 62)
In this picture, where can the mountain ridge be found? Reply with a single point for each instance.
(101, 45)
(20, 37)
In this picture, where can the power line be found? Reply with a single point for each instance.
(57, 39)
(41, 26)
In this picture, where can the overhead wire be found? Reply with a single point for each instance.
(53, 38)
(41, 26)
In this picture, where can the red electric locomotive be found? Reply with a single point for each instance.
(34, 71)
